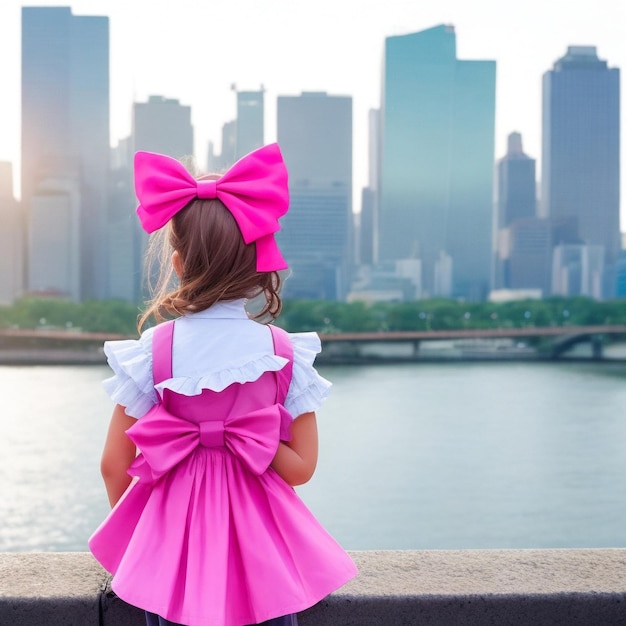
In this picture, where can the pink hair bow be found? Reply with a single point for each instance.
(254, 190)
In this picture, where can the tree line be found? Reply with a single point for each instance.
(325, 316)
(444, 314)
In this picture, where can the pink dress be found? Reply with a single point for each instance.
(208, 533)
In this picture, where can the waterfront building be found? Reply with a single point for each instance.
(514, 295)
(578, 270)
(437, 153)
(65, 129)
(525, 254)
(315, 134)
(411, 270)
(383, 282)
(55, 234)
(11, 238)
(580, 155)
(442, 285)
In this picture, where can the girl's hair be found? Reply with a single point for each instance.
(216, 264)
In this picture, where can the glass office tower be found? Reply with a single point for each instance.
(315, 135)
(437, 155)
(65, 126)
(580, 158)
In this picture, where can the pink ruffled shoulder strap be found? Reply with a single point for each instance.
(283, 348)
(162, 342)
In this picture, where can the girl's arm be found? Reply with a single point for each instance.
(295, 460)
(119, 452)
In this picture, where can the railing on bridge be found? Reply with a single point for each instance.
(550, 342)
(385, 336)
(477, 333)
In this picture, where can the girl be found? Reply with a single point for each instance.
(203, 449)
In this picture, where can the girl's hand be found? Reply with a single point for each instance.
(295, 460)
(119, 452)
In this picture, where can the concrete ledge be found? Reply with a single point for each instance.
(52, 588)
(469, 587)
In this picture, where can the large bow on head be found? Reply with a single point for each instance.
(165, 439)
(254, 190)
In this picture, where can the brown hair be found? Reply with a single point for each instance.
(216, 263)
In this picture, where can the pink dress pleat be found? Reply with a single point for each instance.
(208, 534)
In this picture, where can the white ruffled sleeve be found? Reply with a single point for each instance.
(132, 383)
(308, 389)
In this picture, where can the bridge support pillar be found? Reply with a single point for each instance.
(596, 347)
(416, 349)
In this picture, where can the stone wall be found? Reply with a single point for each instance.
(468, 587)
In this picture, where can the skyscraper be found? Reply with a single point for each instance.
(516, 186)
(243, 134)
(368, 223)
(218, 163)
(11, 238)
(315, 134)
(523, 240)
(578, 270)
(65, 127)
(125, 238)
(162, 125)
(437, 151)
(250, 128)
(367, 227)
(580, 157)
(159, 125)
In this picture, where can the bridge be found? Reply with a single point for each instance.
(60, 345)
(559, 339)
(477, 333)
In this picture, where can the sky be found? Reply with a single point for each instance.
(195, 50)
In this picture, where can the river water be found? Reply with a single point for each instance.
(413, 456)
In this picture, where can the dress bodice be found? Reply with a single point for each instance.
(213, 349)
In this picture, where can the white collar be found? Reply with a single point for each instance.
(230, 309)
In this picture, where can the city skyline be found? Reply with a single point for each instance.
(138, 71)
(431, 166)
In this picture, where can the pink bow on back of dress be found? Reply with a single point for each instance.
(255, 191)
(165, 439)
